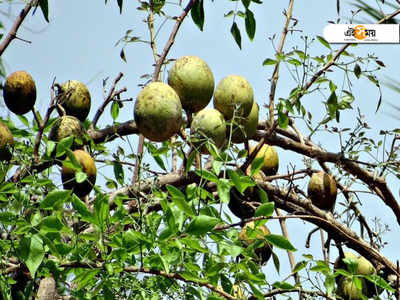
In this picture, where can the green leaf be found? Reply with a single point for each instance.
(80, 176)
(8, 218)
(201, 225)
(299, 266)
(44, 6)
(332, 105)
(357, 71)
(207, 175)
(55, 199)
(280, 242)
(64, 145)
(115, 110)
(81, 208)
(23, 120)
(122, 55)
(51, 224)
(250, 24)
(159, 162)
(324, 42)
(294, 62)
(256, 165)
(236, 34)
(31, 251)
(241, 182)
(120, 5)
(265, 210)
(197, 13)
(283, 120)
(246, 3)
(119, 172)
(223, 188)
(178, 198)
(268, 62)
(216, 166)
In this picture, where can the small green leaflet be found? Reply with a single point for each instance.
(197, 13)
(236, 34)
(280, 242)
(31, 251)
(201, 225)
(324, 42)
(250, 23)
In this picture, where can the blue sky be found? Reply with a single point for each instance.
(79, 43)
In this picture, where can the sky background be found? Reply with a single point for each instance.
(80, 43)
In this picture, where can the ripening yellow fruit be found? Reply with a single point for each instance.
(19, 92)
(322, 191)
(75, 99)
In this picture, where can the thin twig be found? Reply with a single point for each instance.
(12, 34)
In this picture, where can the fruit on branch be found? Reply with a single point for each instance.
(67, 126)
(245, 128)
(237, 292)
(158, 112)
(240, 204)
(19, 92)
(365, 268)
(208, 125)
(271, 160)
(322, 191)
(234, 95)
(88, 167)
(6, 142)
(348, 290)
(193, 81)
(74, 97)
(249, 235)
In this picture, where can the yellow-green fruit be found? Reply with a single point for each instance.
(365, 267)
(81, 189)
(237, 292)
(6, 142)
(245, 128)
(348, 290)
(19, 92)
(67, 126)
(193, 80)
(158, 112)
(271, 159)
(322, 190)
(208, 124)
(75, 99)
(265, 251)
(233, 93)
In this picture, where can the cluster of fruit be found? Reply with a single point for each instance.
(158, 108)
(73, 103)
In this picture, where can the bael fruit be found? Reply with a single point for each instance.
(208, 124)
(265, 251)
(322, 191)
(158, 112)
(75, 99)
(83, 188)
(347, 289)
(6, 142)
(245, 128)
(193, 81)
(271, 160)
(67, 126)
(19, 92)
(233, 92)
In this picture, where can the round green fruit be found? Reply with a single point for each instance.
(245, 128)
(19, 92)
(234, 94)
(6, 142)
(75, 99)
(193, 81)
(322, 191)
(271, 160)
(265, 251)
(208, 124)
(88, 165)
(158, 112)
(347, 289)
(66, 126)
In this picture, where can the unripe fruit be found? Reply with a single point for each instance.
(265, 251)
(193, 81)
(246, 127)
(208, 123)
(271, 159)
(75, 99)
(233, 92)
(88, 167)
(19, 92)
(348, 290)
(67, 126)
(6, 142)
(158, 112)
(322, 190)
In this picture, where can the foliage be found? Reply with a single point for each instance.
(168, 233)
